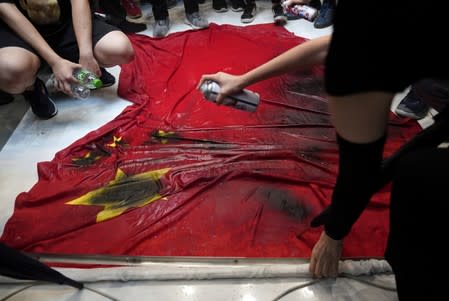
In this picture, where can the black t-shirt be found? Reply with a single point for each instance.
(48, 16)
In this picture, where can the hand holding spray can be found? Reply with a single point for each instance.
(245, 100)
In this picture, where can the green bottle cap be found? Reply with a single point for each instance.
(97, 83)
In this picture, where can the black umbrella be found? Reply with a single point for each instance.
(17, 265)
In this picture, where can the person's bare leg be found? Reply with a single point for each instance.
(113, 49)
(18, 68)
(361, 117)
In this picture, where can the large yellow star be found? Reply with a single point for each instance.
(124, 192)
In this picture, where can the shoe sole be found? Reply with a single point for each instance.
(321, 26)
(221, 10)
(248, 20)
(141, 20)
(107, 85)
(134, 17)
(406, 114)
(54, 114)
(236, 10)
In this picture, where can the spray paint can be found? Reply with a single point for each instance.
(245, 100)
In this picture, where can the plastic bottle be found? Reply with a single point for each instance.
(87, 79)
(81, 92)
(245, 100)
(78, 91)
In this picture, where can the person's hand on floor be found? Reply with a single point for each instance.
(325, 257)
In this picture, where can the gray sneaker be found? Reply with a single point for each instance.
(161, 27)
(196, 21)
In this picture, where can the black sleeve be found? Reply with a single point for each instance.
(359, 169)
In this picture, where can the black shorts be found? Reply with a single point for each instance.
(64, 43)
(386, 46)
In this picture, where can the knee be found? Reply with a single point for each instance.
(19, 73)
(125, 53)
(114, 49)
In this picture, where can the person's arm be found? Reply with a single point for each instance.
(303, 56)
(360, 121)
(82, 24)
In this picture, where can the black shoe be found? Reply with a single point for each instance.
(219, 6)
(325, 16)
(237, 5)
(107, 78)
(412, 106)
(41, 105)
(249, 13)
(5, 98)
(278, 14)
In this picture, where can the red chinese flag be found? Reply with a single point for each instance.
(177, 175)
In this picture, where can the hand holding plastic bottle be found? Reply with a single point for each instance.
(63, 75)
(90, 63)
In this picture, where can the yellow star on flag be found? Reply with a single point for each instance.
(124, 192)
(115, 141)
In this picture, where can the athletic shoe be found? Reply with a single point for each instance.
(219, 6)
(196, 21)
(41, 104)
(249, 13)
(161, 28)
(107, 78)
(325, 16)
(278, 14)
(412, 107)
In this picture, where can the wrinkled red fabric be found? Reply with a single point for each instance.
(239, 184)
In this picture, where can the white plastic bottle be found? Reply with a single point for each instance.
(78, 91)
(245, 100)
